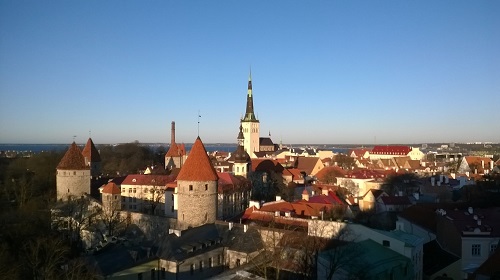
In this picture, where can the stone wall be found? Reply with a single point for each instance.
(197, 203)
(72, 183)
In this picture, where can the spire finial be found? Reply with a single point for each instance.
(199, 116)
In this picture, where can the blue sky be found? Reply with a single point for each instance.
(323, 71)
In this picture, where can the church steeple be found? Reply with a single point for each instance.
(250, 115)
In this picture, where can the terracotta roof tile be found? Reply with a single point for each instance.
(72, 159)
(176, 150)
(90, 152)
(147, 180)
(198, 166)
(390, 150)
(111, 188)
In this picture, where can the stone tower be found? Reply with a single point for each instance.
(197, 185)
(250, 124)
(73, 176)
(92, 158)
(241, 158)
(111, 197)
(176, 154)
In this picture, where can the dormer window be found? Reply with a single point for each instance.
(134, 180)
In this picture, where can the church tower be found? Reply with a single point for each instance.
(250, 124)
(73, 175)
(242, 160)
(197, 187)
(92, 158)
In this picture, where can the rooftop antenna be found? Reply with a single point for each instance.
(199, 116)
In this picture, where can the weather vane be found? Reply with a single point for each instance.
(199, 116)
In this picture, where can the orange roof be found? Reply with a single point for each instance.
(390, 150)
(176, 150)
(259, 164)
(72, 159)
(147, 180)
(90, 152)
(198, 166)
(323, 172)
(111, 188)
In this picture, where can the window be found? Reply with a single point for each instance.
(190, 187)
(153, 274)
(493, 247)
(206, 187)
(135, 190)
(476, 249)
(218, 259)
(130, 199)
(201, 265)
(386, 243)
(163, 273)
(172, 197)
(192, 269)
(172, 209)
(210, 264)
(238, 262)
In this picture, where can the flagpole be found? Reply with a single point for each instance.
(199, 123)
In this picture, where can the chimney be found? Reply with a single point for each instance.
(305, 195)
(324, 191)
(172, 134)
(278, 197)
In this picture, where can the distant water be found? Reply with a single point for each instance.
(223, 147)
(37, 148)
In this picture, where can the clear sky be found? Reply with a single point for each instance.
(323, 71)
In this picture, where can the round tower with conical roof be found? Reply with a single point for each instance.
(73, 175)
(92, 158)
(197, 185)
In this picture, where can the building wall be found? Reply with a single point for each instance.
(251, 131)
(211, 263)
(473, 261)
(72, 183)
(197, 203)
(170, 203)
(135, 198)
(111, 202)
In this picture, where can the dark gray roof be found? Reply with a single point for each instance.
(207, 237)
(117, 257)
(265, 141)
(435, 258)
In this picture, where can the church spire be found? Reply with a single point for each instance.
(250, 115)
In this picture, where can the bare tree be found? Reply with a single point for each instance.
(44, 256)
(111, 216)
(340, 256)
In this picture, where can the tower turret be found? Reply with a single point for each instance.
(73, 175)
(92, 158)
(241, 157)
(197, 187)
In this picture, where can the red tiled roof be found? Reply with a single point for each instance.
(111, 188)
(267, 165)
(198, 166)
(147, 180)
(323, 172)
(390, 150)
(358, 152)
(176, 150)
(72, 159)
(90, 152)
(307, 164)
